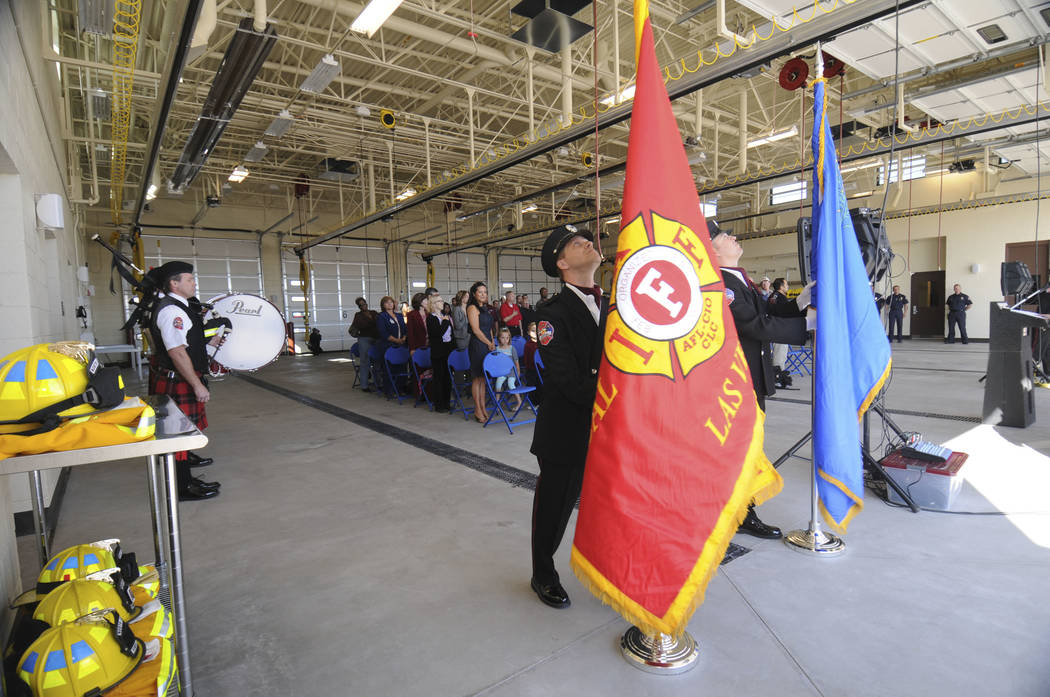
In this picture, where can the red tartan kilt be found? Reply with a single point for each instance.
(182, 393)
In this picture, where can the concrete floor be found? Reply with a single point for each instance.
(341, 561)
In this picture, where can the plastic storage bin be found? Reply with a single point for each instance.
(930, 484)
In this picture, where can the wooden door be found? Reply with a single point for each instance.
(927, 303)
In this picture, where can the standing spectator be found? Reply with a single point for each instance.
(544, 298)
(764, 288)
(391, 326)
(364, 328)
(958, 303)
(439, 330)
(482, 340)
(778, 304)
(510, 314)
(528, 315)
(898, 302)
(493, 310)
(417, 323)
(460, 326)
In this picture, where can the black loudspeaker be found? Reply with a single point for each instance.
(874, 243)
(1015, 278)
(804, 230)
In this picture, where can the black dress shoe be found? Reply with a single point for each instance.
(203, 484)
(753, 526)
(552, 594)
(198, 461)
(195, 493)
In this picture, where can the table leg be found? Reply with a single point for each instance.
(157, 513)
(178, 592)
(39, 523)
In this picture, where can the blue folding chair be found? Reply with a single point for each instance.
(538, 360)
(376, 370)
(518, 342)
(423, 374)
(396, 360)
(459, 362)
(499, 365)
(355, 361)
(799, 361)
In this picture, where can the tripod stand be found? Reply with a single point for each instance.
(870, 462)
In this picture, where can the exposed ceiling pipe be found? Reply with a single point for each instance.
(259, 19)
(209, 17)
(449, 41)
(178, 60)
(467, 77)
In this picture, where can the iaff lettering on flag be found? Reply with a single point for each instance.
(675, 454)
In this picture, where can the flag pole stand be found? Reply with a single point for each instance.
(661, 654)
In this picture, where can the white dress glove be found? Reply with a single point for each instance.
(811, 319)
(804, 297)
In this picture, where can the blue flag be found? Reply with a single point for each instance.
(852, 358)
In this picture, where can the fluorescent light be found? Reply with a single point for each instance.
(257, 152)
(710, 210)
(613, 99)
(530, 208)
(793, 131)
(614, 219)
(407, 193)
(280, 124)
(373, 16)
(854, 168)
(322, 74)
(418, 284)
(507, 285)
(238, 174)
(151, 192)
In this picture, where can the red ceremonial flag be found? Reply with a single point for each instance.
(675, 453)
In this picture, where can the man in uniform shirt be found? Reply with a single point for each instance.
(756, 329)
(569, 334)
(897, 304)
(178, 365)
(958, 303)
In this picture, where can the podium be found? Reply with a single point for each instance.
(1008, 396)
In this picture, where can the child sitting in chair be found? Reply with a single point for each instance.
(508, 380)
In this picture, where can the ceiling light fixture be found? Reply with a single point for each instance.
(793, 131)
(281, 123)
(151, 192)
(323, 73)
(373, 16)
(407, 193)
(854, 168)
(256, 153)
(238, 174)
(531, 208)
(100, 105)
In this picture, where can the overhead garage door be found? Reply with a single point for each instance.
(339, 274)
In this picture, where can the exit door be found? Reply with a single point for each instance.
(927, 304)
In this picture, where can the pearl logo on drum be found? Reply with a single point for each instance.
(240, 309)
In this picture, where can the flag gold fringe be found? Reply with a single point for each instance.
(858, 503)
(757, 482)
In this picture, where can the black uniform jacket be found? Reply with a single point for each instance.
(570, 378)
(757, 329)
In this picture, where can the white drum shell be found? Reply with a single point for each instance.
(258, 334)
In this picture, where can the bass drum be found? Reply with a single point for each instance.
(257, 336)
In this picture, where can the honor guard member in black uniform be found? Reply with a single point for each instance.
(757, 328)
(178, 365)
(898, 302)
(569, 333)
(958, 303)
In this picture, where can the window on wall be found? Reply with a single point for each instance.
(913, 167)
(221, 266)
(786, 193)
(522, 274)
(339, 274)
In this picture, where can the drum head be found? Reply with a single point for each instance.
(257, 337)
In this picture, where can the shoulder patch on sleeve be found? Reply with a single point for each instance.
(544, 332)
(177, 322)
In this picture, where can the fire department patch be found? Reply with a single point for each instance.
(730, 296)
(544, 332)
(177, 323)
